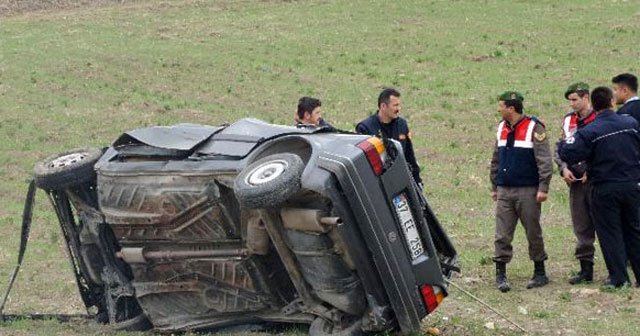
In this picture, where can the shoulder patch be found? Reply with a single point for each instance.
(540, 136)
(537, 121)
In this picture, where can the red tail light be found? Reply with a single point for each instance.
(432, 297)
(374, 150)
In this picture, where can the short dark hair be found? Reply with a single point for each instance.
(515, 103)
(581, 94)
(601, 98)
(307, 104)
(386, 94)
(627, 80)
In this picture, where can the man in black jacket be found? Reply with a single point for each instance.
(386, 122)
(625, 91)
(611, 147)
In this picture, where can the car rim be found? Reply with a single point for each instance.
(266, 172)
(67, 160)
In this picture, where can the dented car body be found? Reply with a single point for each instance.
(196, 227)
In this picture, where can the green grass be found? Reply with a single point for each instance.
(80, 77)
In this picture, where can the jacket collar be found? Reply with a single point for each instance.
(522, 117)
(604, 113)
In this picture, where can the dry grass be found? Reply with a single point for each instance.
(72, 76)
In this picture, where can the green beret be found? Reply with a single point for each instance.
(510, 95)
(576, 87)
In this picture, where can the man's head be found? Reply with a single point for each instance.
(578, 96)
(601, 98)
(510, 102)
(625, 86)
(309, 111)
(389, 105)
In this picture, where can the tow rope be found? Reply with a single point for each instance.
(27, 214)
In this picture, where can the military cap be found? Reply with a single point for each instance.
(511, 95)
(576, 87)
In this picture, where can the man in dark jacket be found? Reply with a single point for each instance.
(611, 147)
(521, 169)
(386, 122)
(625, 91)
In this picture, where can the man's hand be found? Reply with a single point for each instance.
(541, 196)
(584, 178)
(494, 195)
(568, 176)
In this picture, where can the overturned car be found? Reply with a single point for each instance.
(193, 227)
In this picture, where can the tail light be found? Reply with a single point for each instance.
(376, 154)
(432, 296)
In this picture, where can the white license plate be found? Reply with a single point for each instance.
(408, 225)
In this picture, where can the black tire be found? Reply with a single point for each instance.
(322, 327)
(269, 181)
(67, 169)
(138, 323)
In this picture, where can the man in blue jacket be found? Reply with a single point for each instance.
(611, 147)
(386, 122)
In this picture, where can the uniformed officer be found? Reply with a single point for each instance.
(625, 91)
(309, 113)
(386, 121)
(611, 147)
(579, 186)
(521, 170)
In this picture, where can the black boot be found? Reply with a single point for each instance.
(501, 277)
(539, 278)
(585, 275)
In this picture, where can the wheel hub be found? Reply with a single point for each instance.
(266, 172)
(67, 160)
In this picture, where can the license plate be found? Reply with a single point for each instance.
(408, 225)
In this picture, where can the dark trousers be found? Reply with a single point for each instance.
(515, 203)
(617, 222)
(580, 203)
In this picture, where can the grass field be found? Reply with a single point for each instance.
(80, 76)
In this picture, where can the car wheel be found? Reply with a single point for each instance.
(269, 181)
(67, 169)
(138, 323)
(322, 327)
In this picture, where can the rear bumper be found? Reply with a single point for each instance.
(380, 230)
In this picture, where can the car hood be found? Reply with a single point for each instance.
(181, 137)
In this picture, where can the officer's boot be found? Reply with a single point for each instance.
(585, 275)
(539, 278)
(501, 277)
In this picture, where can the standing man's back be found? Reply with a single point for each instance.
(387, 122)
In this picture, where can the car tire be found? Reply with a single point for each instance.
(67, 169)
(269, 181)
(138, 323)
(322, 327)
